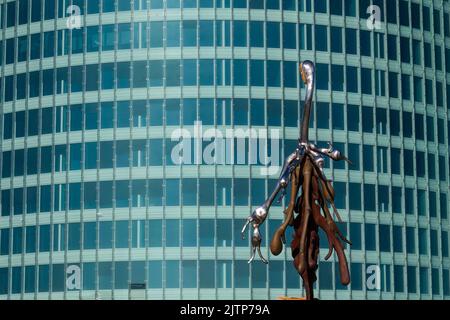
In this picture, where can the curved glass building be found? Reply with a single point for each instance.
(94, 204)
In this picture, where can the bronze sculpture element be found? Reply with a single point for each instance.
(304, 168)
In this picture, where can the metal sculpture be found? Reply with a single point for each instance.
(304, 168)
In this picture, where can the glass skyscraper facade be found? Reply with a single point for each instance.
(93, 205)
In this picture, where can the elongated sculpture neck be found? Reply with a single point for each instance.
(307, 71)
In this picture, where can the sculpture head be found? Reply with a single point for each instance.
(307, 72)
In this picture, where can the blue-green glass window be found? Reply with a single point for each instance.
(407, 124)
(36, 6)
(274, 112)
(290, 74)
(354, 195)
(431, 166)
(418, 94)
(289, 4)
(257, 73)
(106, 194)
(155, 73)
(273, 73)
(172, 232)
(289, 39)
(336, 37)
(4, 242)
(381, 120)
(172, 273)
(172, 3)
(105, 274)
(321, 38)
(443, 205)
(6, 165)
(108, 36)
(43, 279)
(189, 192)
(273, 4)
(124, 36)
(430, 129)
(23, 11)
(240, 72)
(240, 112)
(323, 115)
(353, 153)
(273, 34)
(398, 276)
(121, 193)
(290, 113)
(356, 272)
(89, 235)
(155, 233)
(365, 43)
(190, 33)
(406, 87)
(206, 277)
(305, 36)
(30, 242)
(405, 50)
(18, 200)
(155, 273)
(206, 71)
(257, 114)
(366, 81)
(434, 242)
(337, 77)
(337, 119)
(30, 278)
(18, 162)
(105, 234)
(410, 240)
(370, 236)
(20, 124)
(11, 14)
(89, 272)
(44, 238)
(426, 18)
(369, 197)
(404, 13)
(189, 111)
(257, 34)
(189, 233)
(108, 6)
(384, 234)
(397, 239)
(437, 21)
(355, 235)
(427, 55)
(155, 192)
(172, 112)
(173, 33)
(172, 73)
(10, 50)
(352, 79)
(156, 34)
(121, 234)
(423, 241)
(206, 111)
(22, 48)
(206, 232)
(391, 11)
(368, 163)
(335, 7)
(392, 47)
(420, 164)
(353, 118)
(239, 33)
(415, 14)
(322, 80)
(350, 41)
(206, 33)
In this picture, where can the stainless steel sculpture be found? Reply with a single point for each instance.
(304, 168)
